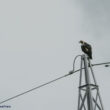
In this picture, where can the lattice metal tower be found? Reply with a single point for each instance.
(89, 96)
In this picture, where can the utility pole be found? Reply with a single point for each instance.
(89, 96)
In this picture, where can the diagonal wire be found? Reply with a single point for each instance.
(71, 72)
(36, 87)
(32, 89)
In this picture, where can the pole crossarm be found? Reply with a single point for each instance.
(98, 64)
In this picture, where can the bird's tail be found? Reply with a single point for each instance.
(90, 57)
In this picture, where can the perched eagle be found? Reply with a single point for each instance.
(86, 48)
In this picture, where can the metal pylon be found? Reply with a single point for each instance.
(89, 96)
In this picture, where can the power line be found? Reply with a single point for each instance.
(71, 72)
(100, 64)
(33, 89)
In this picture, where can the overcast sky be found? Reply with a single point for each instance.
(38, 42)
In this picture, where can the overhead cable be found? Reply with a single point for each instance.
(35, 88)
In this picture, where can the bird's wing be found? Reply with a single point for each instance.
(83, 49)
(87, 45)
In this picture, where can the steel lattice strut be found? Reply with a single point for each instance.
(89, 96)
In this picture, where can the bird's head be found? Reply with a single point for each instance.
(81, 41)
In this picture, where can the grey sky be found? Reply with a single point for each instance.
(38, 42)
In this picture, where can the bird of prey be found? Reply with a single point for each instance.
(86, 48)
